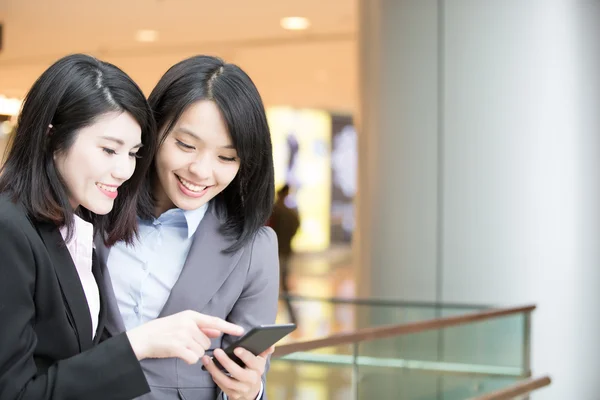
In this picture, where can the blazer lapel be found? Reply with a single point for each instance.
(205, 269)
(97, 271)
(70, 283)
(114, 322)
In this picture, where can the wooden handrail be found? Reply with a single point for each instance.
(519, 389)
(375, 302)
(381, 332)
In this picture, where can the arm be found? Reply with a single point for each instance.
(257, 304)
(110, 371)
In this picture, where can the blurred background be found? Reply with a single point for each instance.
(438, 152)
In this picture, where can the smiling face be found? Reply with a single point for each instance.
(101, 159)
(197, 160)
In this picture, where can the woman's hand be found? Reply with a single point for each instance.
(243, 383)
(185, 335)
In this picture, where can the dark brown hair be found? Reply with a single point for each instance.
(68, 96)
(246, 203)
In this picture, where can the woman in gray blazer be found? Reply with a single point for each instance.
(206, 247)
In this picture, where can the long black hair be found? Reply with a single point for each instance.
(68, 96)
(247, 202)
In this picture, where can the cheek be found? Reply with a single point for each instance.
(74, 171)
(227, 174)
(94, 165)
(161, 168)
(133, 162)
(168, 160)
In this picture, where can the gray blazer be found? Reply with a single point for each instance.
(241, 287)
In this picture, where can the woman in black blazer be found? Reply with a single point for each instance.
(84, 141)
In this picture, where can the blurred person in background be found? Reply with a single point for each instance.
(285, 222)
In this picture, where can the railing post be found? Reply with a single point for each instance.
(355, 376)
(527, 344)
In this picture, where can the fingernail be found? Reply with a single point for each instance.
(205, 360)
(238, 351)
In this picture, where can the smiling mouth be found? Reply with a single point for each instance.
(191, 186)
(112, 189)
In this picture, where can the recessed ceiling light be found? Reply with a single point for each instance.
(9, 106)
(5, 128)
(146, 35)
(295, 23)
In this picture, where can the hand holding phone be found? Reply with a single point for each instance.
(238, 370)
(257, 340)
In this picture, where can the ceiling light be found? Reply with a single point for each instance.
(295, 23)
(146, 36)
(5, 128)
(9, 106)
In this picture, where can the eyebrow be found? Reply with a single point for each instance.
(195, 136)
(119, 141)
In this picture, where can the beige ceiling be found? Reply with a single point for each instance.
(315, 68)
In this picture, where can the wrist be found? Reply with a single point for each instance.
(257, 391)
(137, 344)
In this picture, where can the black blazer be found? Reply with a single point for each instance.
(46, 346)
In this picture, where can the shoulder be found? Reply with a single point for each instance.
(16, 229)
(263, 255)
(12, 216)
(264, 239)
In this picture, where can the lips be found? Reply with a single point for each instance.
(190, 189)
(191, 186)
(108, 188)
(110, 191)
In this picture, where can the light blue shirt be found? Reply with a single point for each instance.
(144, 274)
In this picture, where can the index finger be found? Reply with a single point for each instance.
(211, 333)
(208, 322)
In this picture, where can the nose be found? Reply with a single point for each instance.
(202, 168)
(123, 168)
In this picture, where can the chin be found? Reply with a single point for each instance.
(188, 204)
(98, 208)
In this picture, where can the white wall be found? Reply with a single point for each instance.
(398, 151)
(521, 173)
(513, 132)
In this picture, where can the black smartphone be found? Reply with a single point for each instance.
(256, 340)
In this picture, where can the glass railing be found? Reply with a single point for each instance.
(318, 317)
(406, 351)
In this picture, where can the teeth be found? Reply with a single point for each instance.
(191, 186)
(107, 188)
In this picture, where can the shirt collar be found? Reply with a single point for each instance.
(183, 219)
(83, 232)
(193, 218)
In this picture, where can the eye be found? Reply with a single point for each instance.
(228, 159)
(109, 151)
(184, 145)
(136, 155)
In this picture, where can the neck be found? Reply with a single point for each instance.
(160, 209)
(163, 202)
